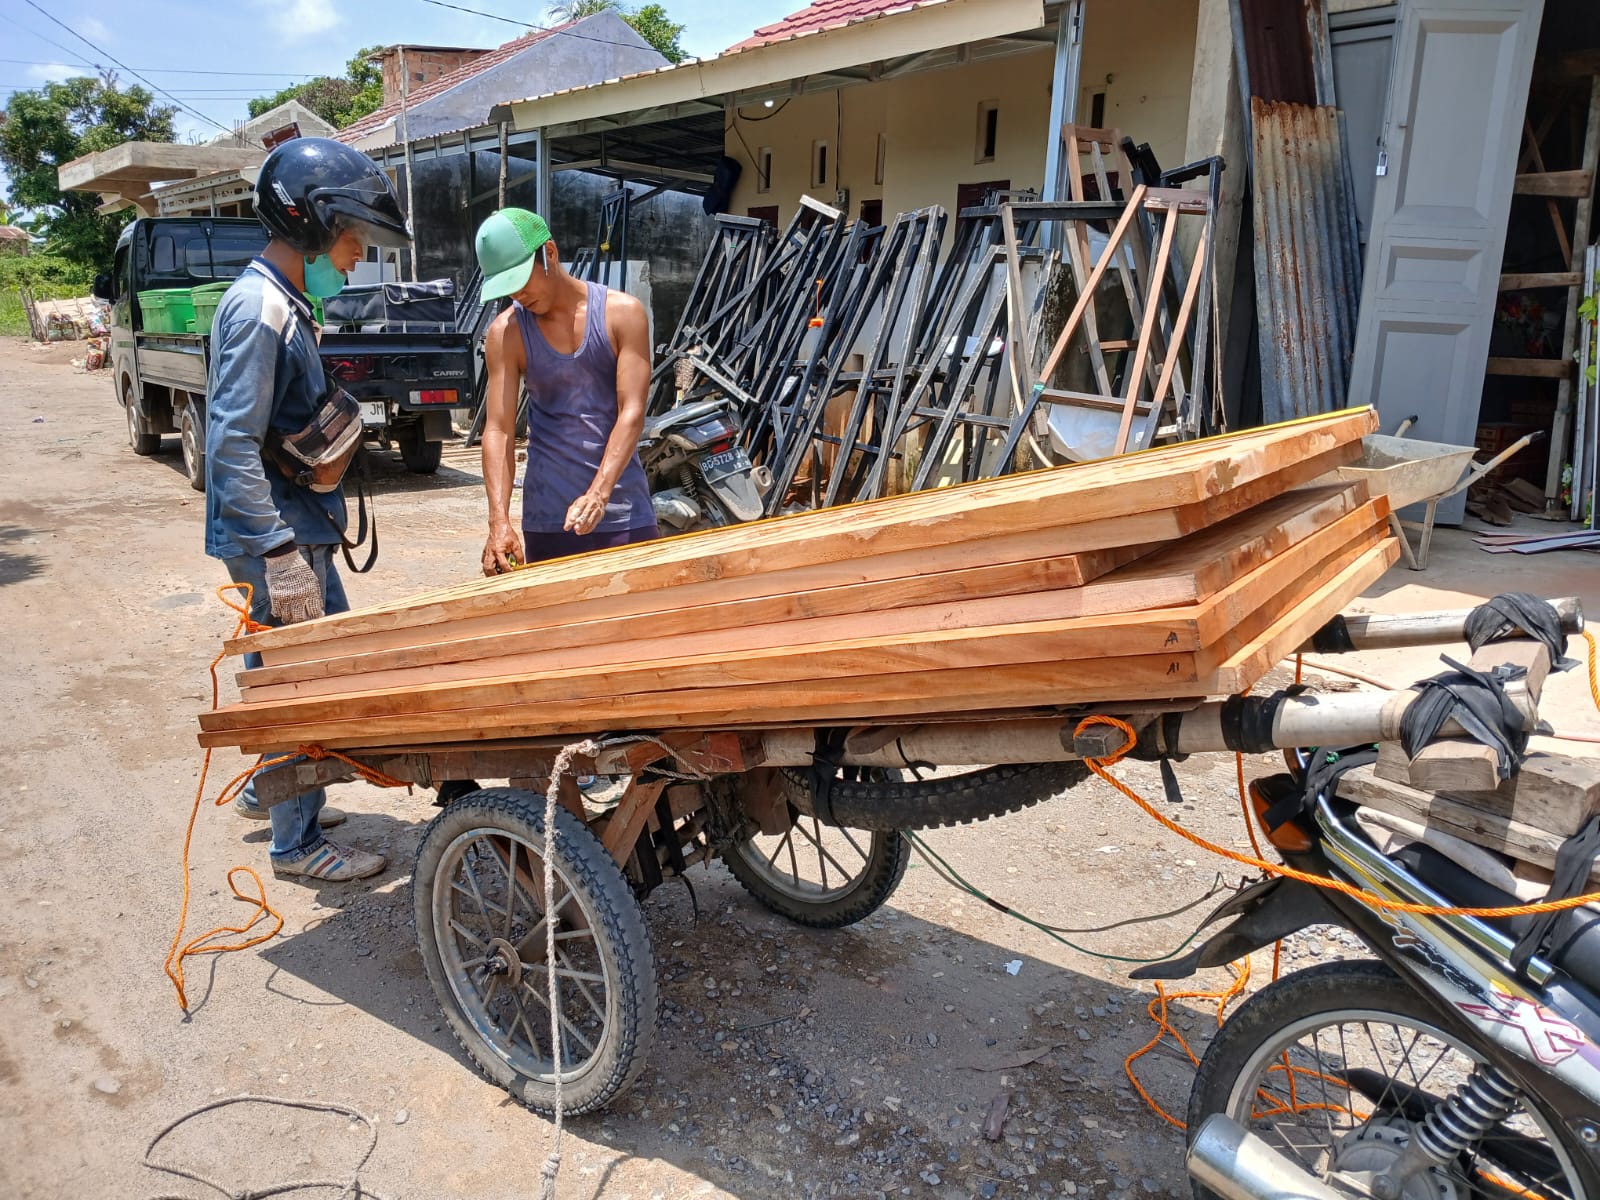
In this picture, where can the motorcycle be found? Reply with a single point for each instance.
(1463, 1061)
(699, 475)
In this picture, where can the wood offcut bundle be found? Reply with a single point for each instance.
(1178, 573)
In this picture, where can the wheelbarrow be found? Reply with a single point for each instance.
(1414, 472)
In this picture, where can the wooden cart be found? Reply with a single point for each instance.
(750, 798)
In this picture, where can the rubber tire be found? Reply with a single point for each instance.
(191, 440)
(887, 859)
(929, 804)
(1325, 988)
(625, 943)
(143, 442)
(420, 456)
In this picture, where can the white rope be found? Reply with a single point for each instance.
(552, 800)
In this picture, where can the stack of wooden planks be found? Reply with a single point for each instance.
(1178, 573)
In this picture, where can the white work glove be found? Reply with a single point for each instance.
(293, 588)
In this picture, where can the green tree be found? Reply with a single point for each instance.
(650, 21)
(338, 101)
(49, 126)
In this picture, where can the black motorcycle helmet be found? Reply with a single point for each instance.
(311, 188)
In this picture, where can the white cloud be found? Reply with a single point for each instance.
(93, 28)
(303, 18)
(55, 71)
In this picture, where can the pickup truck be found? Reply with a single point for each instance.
(407, 381)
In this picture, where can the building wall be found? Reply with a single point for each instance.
(423, 65)
(1145, 48)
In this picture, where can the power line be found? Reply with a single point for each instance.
(42, 11)
(39, 35)
(30, 62)
(558, 30)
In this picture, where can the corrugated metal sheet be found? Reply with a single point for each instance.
(1308, 258)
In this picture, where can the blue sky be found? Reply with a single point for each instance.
(278, 42)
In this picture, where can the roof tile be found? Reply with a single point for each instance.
(375, 120)
(824, 14)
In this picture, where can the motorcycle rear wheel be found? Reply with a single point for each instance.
(1279, 1068)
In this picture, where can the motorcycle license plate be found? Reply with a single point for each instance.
(374, 412)
(725, 463)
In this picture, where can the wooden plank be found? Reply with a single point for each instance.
(1572, 184)
(1553, 792)
(1530, 368)
(790, 653)
(1493, 831)
(1460, 765)
(628, 820)
(1184, 573)
(892, 696)
(672, 577)
(1186, 629)
(1147, 329)
(1540, 279)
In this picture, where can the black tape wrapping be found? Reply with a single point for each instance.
(824, 771)
(1512, 614)
(1574, 862)
(1247, 720)
(1333, 638)
(1478, 702)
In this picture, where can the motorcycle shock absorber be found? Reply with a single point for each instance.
(686, 481)
(1464, 1117)
(1477, 1106)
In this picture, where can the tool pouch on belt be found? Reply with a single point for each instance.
(318, 455)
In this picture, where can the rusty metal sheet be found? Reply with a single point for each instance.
(1307, 258)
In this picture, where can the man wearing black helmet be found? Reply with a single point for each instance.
(274, 510)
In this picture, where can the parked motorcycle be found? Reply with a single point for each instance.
(699, 475)
(1463, 1062)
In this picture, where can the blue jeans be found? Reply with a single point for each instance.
(295, 830)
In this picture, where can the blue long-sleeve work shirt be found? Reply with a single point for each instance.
(265, 375)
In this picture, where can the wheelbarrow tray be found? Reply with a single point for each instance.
(1408, 471)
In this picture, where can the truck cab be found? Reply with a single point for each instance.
(407, 375)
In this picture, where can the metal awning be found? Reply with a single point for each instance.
(126, 174)
(934, 34)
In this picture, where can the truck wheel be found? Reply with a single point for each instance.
(820, 875)
(193, 441)
(140, 438)
(421, 456)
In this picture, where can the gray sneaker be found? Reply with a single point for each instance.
(327, 818)
(331, 863)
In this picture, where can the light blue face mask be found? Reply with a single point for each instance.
(323, 279)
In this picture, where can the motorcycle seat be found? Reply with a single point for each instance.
(672, 418)
(1574, 943)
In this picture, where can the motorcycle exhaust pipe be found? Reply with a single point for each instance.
(1237, 1165)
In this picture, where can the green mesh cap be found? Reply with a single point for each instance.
(506, 244)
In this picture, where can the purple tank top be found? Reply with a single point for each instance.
(572, 409)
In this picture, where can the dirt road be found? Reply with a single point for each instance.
(790, 1063)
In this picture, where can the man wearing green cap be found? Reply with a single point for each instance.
(582, 351)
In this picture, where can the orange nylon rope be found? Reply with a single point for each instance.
(1099, 765)
(230, 791)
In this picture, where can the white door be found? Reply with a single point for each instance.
(1449, 150)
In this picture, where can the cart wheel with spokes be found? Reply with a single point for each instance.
(478, 893)
(820, 875)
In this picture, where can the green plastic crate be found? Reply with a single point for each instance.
(206, 297)
(167, 310)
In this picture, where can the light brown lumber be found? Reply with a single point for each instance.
(1154, 481)
(553, 604)
(1571, 184)
(786, 654)
(906, 693)
(1187, 629)
(1182, 573)
(1538, 368)
(1458, 764)
(1553, 792)
(1494, 831)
